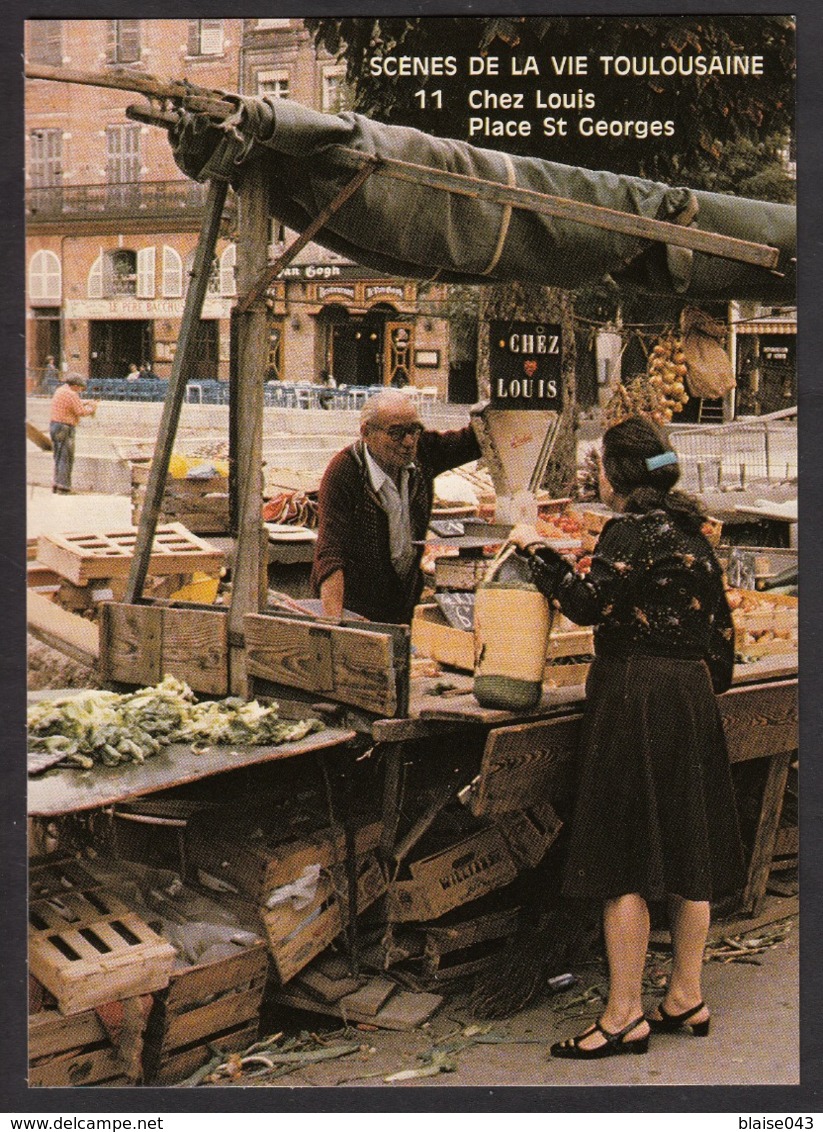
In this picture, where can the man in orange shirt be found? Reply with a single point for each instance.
(67, 407)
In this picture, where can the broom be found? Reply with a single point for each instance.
(552, 934)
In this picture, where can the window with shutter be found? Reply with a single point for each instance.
(123, 42)
(228, 260)
(45, 278)
(205, 37)
(172, 274)
(45, 158)
(145, 273)
(94, 284)
(46, 41)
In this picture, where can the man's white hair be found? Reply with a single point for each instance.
(383, 403)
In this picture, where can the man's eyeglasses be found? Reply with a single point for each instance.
(398, 432)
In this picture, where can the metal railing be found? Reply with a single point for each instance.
(143, 198)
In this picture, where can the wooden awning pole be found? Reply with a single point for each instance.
(180, 370)
(248, 589)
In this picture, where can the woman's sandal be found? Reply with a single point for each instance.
(667, 1023)
(613, 1044)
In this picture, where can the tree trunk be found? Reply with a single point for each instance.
(529, 303)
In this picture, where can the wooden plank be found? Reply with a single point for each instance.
(760, 720)
(204, 980)
(181, 370)
(291, 652)
(581, 212)
(368, 1000)
(66, 791)
(763, 849)
(183, 1062)
(195, 648)
(526, 765)
(354, 666)
(404, 1011)
(132, 637)
(80, 1067)
(227, 1011)
(250, 329)
(61, 630)
(52, 1032)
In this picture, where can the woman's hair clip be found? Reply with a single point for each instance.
(661, 461)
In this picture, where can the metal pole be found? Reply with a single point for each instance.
(180, 370)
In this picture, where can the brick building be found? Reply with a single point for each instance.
(112, 223)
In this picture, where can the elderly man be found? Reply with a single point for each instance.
(67, 407)
(375, 501)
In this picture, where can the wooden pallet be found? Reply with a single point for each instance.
(80, 558)
(88, 948)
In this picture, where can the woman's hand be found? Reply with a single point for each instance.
(524, 536)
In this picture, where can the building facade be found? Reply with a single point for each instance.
(112, 223)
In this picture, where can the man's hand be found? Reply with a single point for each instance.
(331, 596)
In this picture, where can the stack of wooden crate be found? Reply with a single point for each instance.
(200, 503)
(300, 883)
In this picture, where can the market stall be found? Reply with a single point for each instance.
(464, 799)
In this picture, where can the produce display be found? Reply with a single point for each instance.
(667, 372)
(109, 728)
(763, 626)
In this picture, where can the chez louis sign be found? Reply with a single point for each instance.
(525, 365)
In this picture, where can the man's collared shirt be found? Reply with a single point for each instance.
(396, 503)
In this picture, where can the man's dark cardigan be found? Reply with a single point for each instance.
(353, 534)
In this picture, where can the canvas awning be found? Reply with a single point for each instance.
(440, 208)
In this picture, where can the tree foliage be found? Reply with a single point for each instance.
(729, 132)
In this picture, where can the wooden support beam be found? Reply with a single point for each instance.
(579, 212)
(180, 370)
(251, 324)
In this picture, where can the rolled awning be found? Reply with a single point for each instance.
(441, 208)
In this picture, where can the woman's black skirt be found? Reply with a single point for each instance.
(654, 809)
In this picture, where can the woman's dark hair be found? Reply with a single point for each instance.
(626, 448)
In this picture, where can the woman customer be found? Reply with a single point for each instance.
(654, 816)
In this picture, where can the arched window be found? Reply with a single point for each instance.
(228, 262)
(172, 273)
(45, 278)
(94, 285)
(214, 275)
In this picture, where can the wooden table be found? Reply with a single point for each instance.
(66, 791)
(525, 755)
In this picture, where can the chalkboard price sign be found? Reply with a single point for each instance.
(458, 609)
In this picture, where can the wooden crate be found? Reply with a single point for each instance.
(88, 948)
(463, 947)
(80, 558)
(444, 880)
(74, 1050)
(257, 866)
(201, 505)
(366, 667)
(765, 624)
(296, 936)
(142, 643)
(204, 1005)
(529, 833)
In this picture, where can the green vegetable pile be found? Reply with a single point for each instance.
(109, 728)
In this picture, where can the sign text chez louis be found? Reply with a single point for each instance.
(525, 365)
